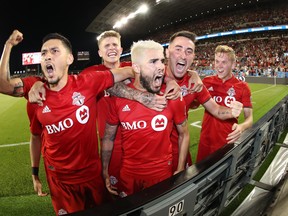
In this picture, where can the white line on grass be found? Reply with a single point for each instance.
(14, 144)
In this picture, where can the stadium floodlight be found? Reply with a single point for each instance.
(141, 10)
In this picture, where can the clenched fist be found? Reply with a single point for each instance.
(236, 108)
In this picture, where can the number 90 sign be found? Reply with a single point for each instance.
(177, 208)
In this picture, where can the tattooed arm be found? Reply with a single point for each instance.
(106, 151)
(149, 100)
(13, 87)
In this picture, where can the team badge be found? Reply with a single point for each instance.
(78, 99)
(231, 92)
(184, 90)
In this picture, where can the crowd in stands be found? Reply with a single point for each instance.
(222, 22)
(259, 54)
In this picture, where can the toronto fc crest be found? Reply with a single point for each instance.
(77, 99)
(231, 92)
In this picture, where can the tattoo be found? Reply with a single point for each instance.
(107, 144)
(224, 112)
(105, 155)
(18, 90)
(146, 98)
(121, 90)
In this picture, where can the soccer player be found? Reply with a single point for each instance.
(18, 87)
(147, 148)
(224, 88)
(68, 123)
(109, 49)
(180, 54)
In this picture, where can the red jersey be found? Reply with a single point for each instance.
(103, 101)
(30, 107)
(147, 148)
(215, 131)
(68, 119)
(202, 97)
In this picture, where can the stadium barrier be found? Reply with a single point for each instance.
(209, 186)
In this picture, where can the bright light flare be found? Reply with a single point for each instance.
(141, 10)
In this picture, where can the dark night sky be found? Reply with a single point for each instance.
(36, 20)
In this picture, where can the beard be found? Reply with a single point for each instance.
(53, 82)
(146, 83)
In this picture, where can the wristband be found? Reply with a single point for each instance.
(35, 171)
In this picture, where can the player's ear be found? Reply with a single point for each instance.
(70, 59)
(100, 53)
(167, 52)
(233, 64)
(136, 68)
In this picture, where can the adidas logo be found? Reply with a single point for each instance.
(211, 88)
(126, 108)
(46, 109)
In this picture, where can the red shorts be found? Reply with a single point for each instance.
(68, 198)
(130, 184)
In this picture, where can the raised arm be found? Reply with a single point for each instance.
(13, 87)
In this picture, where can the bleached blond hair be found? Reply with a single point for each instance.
(138, 49)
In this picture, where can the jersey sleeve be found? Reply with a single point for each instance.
(98, 80)
(112, 116)
(28, 82)
(203, 96)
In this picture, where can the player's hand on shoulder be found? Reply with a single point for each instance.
(157, 102)
(173, 90)
(37, 93)
(196, 80)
